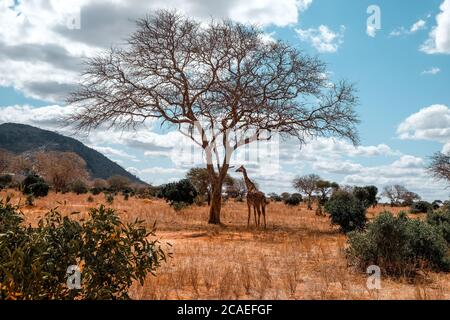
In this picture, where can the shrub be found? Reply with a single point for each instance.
(178, 206)
(5, 181)
(181, 191)
(294, 200)
(436, 204)
(39, 190)
(118, 183)
(29, 200)
(346, 211)
(90, 199)
(96, 190)
(421, 207)
(79, 187)
(399, 246)
(441, 220)
(34, 260)
(35, 185)
(109, 197)
(275, 197)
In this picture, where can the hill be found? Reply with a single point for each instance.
(20, 138)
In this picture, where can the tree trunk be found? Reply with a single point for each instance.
(216, 192)
(309, 203)
(216, 204)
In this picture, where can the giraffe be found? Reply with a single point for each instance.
(255, 198)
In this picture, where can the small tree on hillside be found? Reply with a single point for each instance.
(307, 185)
(61, 169)
(222, 85)
(6, 159)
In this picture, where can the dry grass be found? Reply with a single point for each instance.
(299, 256)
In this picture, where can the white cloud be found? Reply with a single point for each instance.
(266, 12)
(408, 161)
(439, 37)
(417, 26)
(431, 123)
(323, 39)
(432, 71)
(41, 53)
(113, 152)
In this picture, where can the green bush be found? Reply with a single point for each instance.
(346, 211)
(421, 207)
(109, 197)
(29, 200)
(5, 181)
(79, 187)
(110, 254)
(179, 192)
(96, 190)
(294, 200)
(441, 220)
(399, 246)
(35, 185)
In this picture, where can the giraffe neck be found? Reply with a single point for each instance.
(250, 185)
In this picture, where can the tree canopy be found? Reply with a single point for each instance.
(221, 84)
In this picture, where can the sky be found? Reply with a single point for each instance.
(397, 53)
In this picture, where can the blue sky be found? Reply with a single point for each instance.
(402, 74)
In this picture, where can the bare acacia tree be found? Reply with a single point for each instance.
(222, 85)
(307, 185)
(399, 195)
(440, 166)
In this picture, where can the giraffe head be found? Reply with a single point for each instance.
(240, 169)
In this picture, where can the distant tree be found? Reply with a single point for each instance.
(79, 187)
(324, 189)
(181, 192)
(399, 195)
(5, 161)
(409, 198)
(118, 183)
(22, 164)
(275, 197)
(367, 195)
(60, 169)
(238, 189)
(294, 200)
(307, 185)
(285, 195)
(440, 166)
(199, 177)
(221, 84)
(100, 184)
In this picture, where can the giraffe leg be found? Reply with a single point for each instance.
(254, 214)
(264, 214)
(249, 210)
(259, 214)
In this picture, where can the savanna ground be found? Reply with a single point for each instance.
(299, 256)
